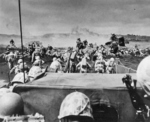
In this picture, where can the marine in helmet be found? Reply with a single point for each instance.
(85, 43)
(110, 66)
(36, 70)
(67, 54)
(143, 75)
(79, 44)
(57, 53)
(10, 58)
(113, 37)
(4, 90)
(55, 65)
(114, 47)
(39, 60)
(35, 53)
(121, 41)
(11, 104)
(22, 76)
(16, 67)
(30, 50)
(11, 45)
(100, 65)
(83, 65)
(76, 107)
(49, 50)
(91, 45)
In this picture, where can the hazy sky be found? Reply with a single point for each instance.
(101, 16)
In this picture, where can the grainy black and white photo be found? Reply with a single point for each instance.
(74, 60)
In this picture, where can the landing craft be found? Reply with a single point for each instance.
(109, 97)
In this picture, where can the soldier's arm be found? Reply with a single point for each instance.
(89, 65)
(12, 70)
(78, 64)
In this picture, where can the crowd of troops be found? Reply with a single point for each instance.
(83, 58)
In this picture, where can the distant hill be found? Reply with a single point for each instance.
(59, 39)
(68, 39)
(10, 36)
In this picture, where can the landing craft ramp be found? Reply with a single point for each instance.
(46, 94)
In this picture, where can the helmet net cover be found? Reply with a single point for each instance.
(11, 104)
(20, 78)
(143, 74)
(4, 90)
(35, 70)
(75, 104)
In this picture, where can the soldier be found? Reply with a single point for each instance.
(85, 43)
(12, 45)
(100, 65)
(110, 66)
(79, 44)
(83, 65)
(22, 76)
(10, 59)
(114, 47)
(16, 68)
(49, 51)
(35, 53)
(36, 71)
(39, 60)
(76, 107)
(30, 51)
(55, 65)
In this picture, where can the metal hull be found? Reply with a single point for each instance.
(45, 95)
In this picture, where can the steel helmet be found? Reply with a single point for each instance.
(87, 56)
(20, 78)
(54, 59)
(23, 66)
(11, 104)
(20, 61)
(11, 41)
(4, 90)
(75, 104)
(78, 40)
(37, 57)
(112, 59)
(143, 74)
(34, 71)
(11, 53)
